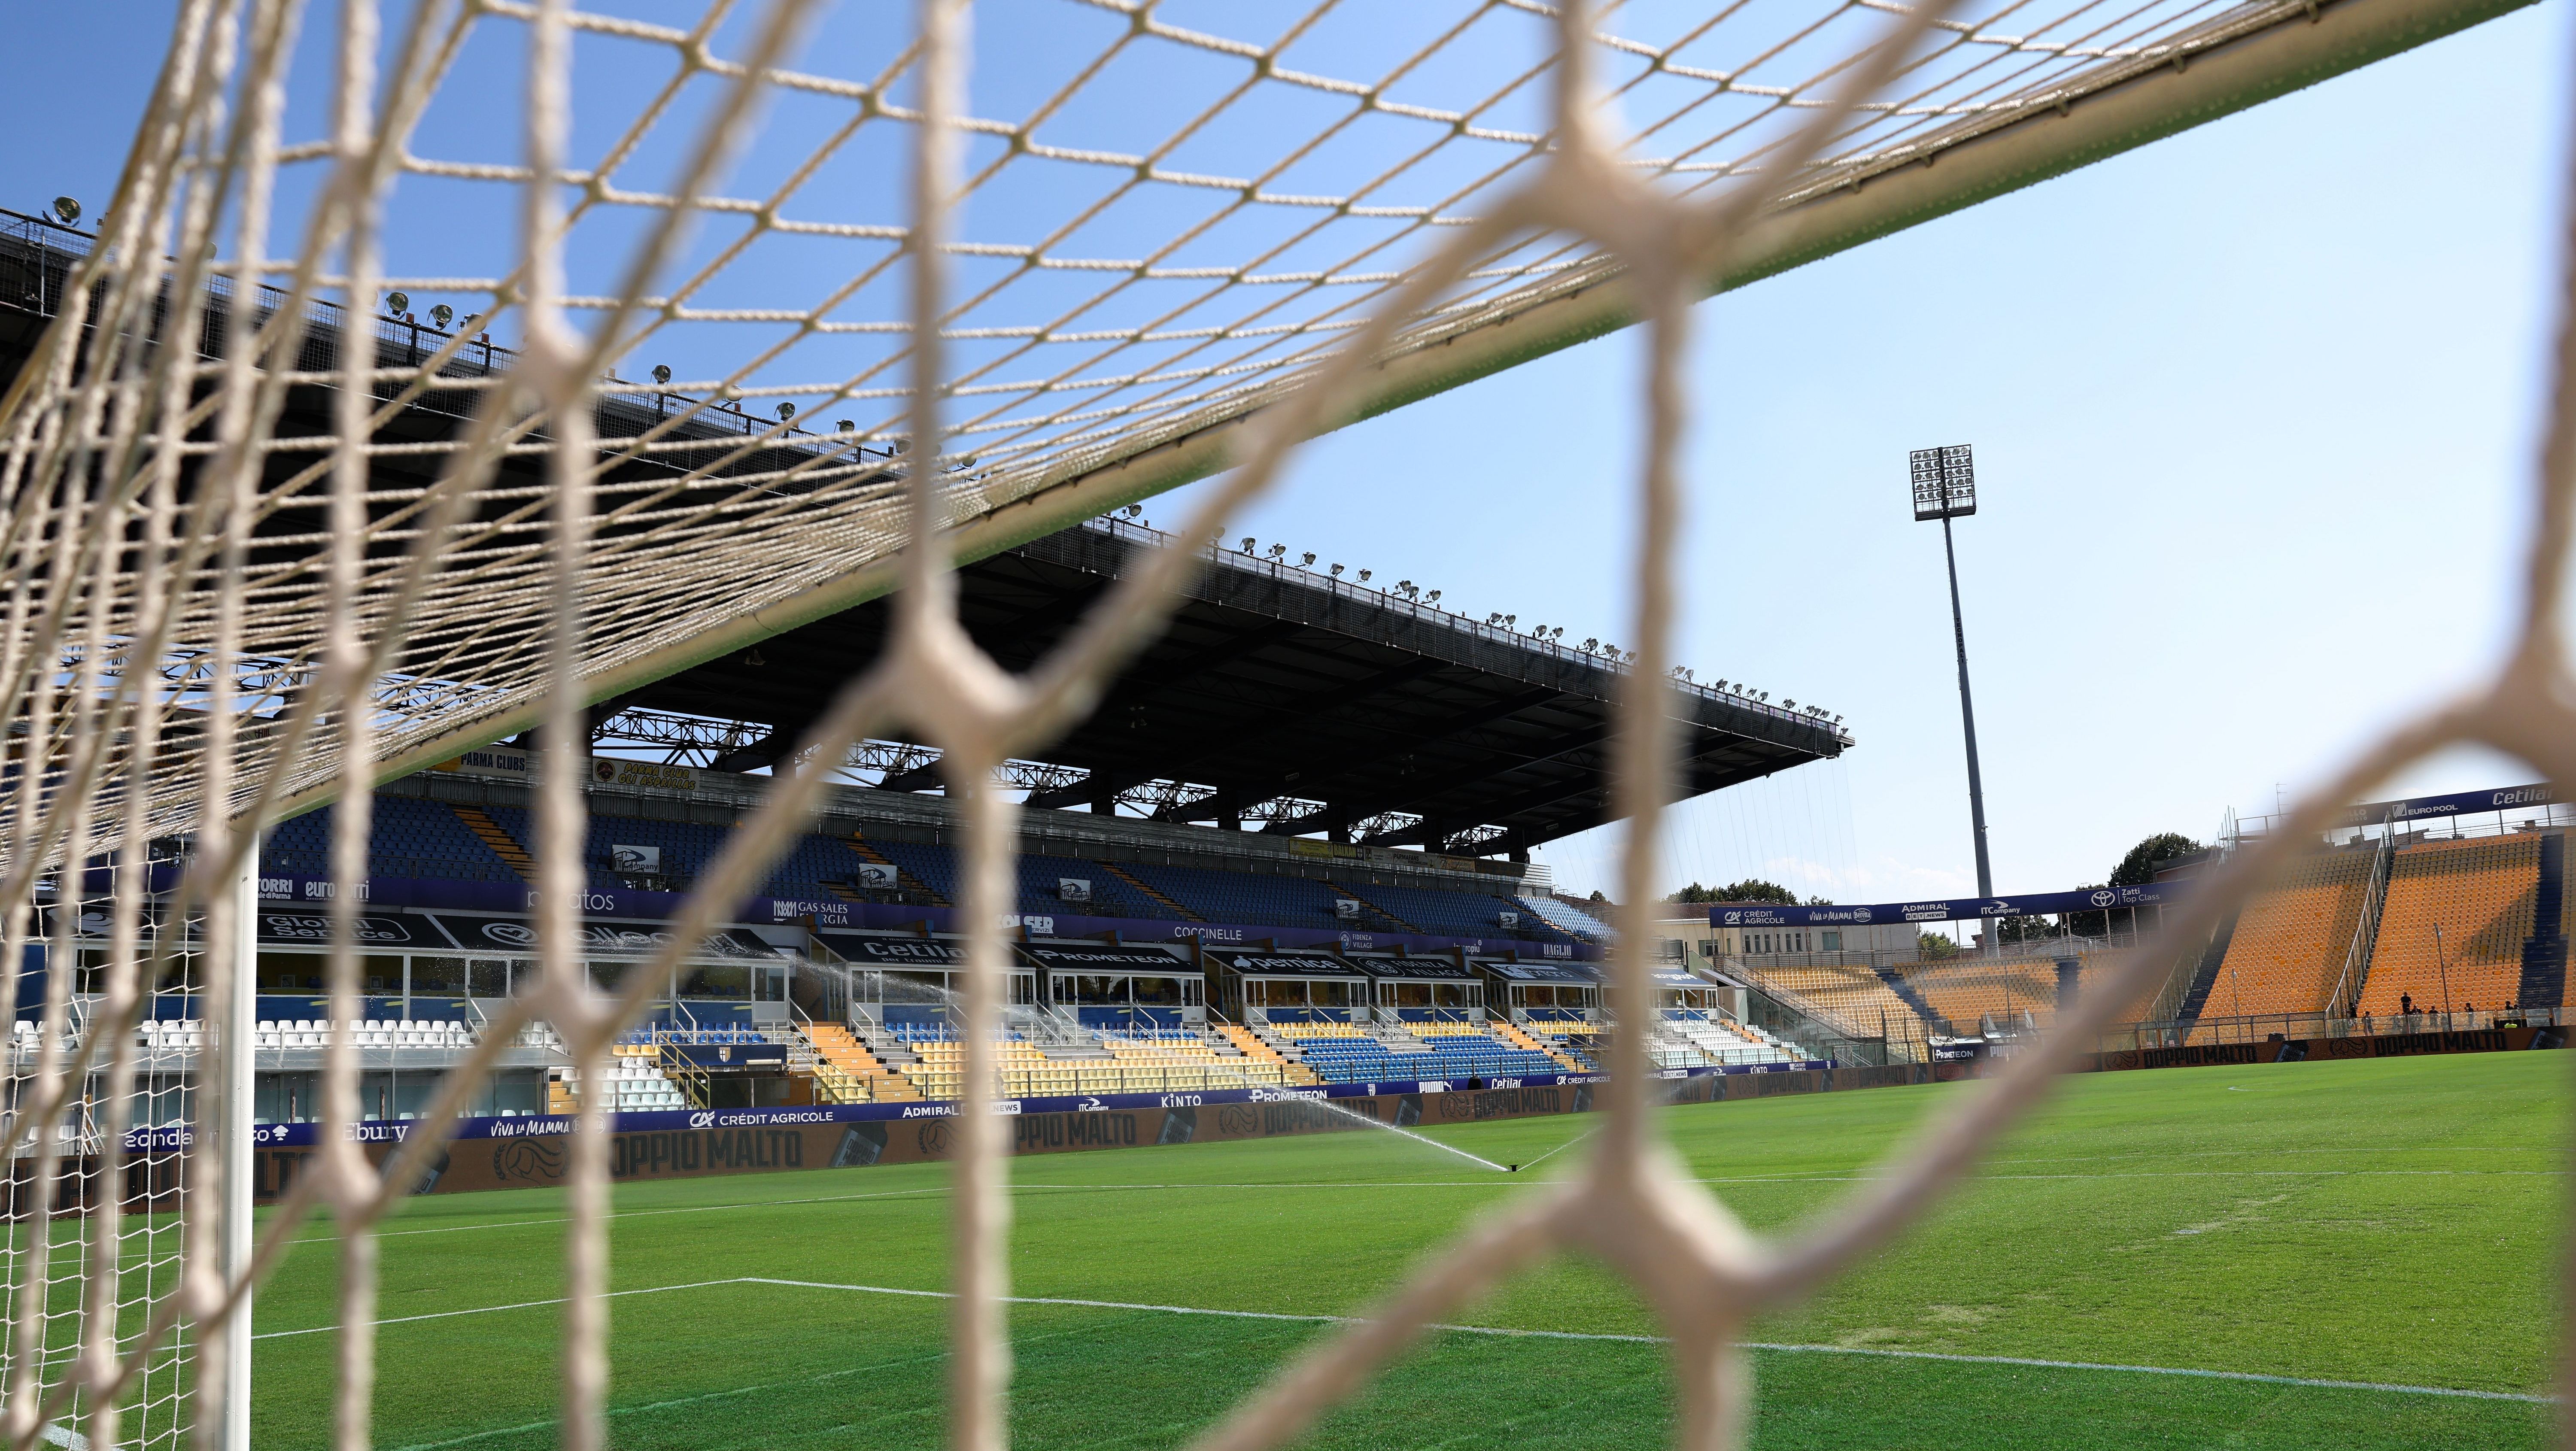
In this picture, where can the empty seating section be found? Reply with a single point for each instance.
(412, 838)
(1160, 1062)
(631, 1084)
(2290, 941)
(1041, 890)
(2480, 894)
(935, 866)
(1571, 920)
(419, 838)
(1856, 994)
(812, 867)
(317, 1033)
(1511, 1033)
(1967, 991)
(1343, 1053)
(1729, 1043)
(1243, 896)
(1453, 914)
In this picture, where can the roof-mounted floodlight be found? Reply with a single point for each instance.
(846, 426)
(1309, 559)
(1337, 571)
(442, 315)
(1248, 542)
(1364, 574)
(661, 372)
(1432, 598)
(397, 303)
(66, 210)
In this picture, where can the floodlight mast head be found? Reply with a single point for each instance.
(1945, 483)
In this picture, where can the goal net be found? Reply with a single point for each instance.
(439, 371)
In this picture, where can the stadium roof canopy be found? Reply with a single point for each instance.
(1281, 698)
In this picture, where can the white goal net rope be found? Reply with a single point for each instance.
(270, 535)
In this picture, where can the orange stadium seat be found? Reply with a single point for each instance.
(2481, 894)
(2290, 941)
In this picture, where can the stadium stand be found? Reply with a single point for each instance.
(1969, 992)
(845, 1062)
(2481, 893)
(1158, 1062)
(1856, 995)
(413, 838)
(1571, 920)
(2289, 945)
(1347, 1053)
(632, 1084)
(1243, 896)
(1457, 914)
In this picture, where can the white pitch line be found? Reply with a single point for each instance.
(1308, 1184)
(491, 1309)
(1778, 1348)
(1504, 1331)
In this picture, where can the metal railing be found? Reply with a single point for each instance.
(2264, 1027)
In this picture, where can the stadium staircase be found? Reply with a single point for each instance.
(2204, 974)
(1914, 999)
(1149, 892)
(1512, 1034)
(902, 876)
(504, 845)
(1259, 1049)
(2544, 956)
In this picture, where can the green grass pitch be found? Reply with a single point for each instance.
(2387, 1222)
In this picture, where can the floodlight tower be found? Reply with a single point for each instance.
(1945, 488)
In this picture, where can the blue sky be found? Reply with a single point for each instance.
(2253, 410)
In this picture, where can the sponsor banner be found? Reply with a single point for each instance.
(1110, 961)
(664, 1120)
(474, 932)
(729, 1057)
(1417, 969)
(1956, 909)
(683, 1145)
(654, 775)
(2461, 803)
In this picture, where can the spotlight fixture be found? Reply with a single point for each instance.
(1278, 551)
(1591, 645)
(1404, 587)
(1310, 559)
(1364, 574)
(1511, 622)
(1432, 598)
(66, 210)
(661, 372)
(1337, 571)
(397, 303)
(442, 315)
(787, 411)
(1248, 542)
(846, 426)
(1135, 509)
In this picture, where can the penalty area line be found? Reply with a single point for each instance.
(1772, 1346)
